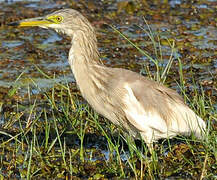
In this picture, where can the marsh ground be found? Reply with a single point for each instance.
(48, 131)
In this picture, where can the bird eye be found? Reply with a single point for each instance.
(59, 18)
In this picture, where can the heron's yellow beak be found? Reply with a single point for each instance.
(39, 21)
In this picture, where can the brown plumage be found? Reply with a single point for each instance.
(139, 105)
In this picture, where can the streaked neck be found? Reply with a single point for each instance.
(84, 49)
(85, 62)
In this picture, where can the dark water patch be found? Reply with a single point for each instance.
(11, 44)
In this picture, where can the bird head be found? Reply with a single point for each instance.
(66, 21)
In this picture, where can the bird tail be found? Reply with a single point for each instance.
(189, 123)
